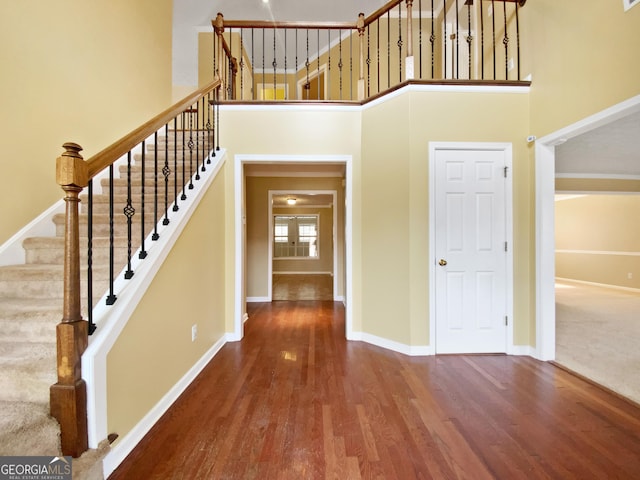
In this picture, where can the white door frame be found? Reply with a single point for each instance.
(240, 314)
(545, 219)
(334, 235)
(507, 148)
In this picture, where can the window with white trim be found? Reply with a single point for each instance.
(295, 236)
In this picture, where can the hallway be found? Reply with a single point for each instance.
(295, 400)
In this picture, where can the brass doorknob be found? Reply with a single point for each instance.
(442, 262)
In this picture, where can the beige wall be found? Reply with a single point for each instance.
(589, 229)
(583, 56)
(257, 195)
(155, 350)
(73, 70)
(395, 206)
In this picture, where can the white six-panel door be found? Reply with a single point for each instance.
(470, 236)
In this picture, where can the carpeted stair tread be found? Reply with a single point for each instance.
(27, 370)
(27, 429)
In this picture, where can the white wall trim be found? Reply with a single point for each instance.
(111, 320)
(545, 217)
(124, 446)
(240, 221)
(602, 285)
(300, 273)
(598, 176)
(508, 152)
(600, 252)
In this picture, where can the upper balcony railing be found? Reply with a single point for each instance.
(422, 41)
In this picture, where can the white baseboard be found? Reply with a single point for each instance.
(413, 351)
(258, 299)
(121, 449)
(523, 351)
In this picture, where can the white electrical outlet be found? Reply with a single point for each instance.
(194, 332)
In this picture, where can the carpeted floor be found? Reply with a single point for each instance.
(598, 335)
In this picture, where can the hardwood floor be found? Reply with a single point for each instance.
(294, 400)
(302, 287)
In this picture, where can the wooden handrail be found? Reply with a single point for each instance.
(289, 25)
(106, 157)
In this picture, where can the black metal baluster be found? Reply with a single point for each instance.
(351, 64)
(444, 74)
(400, 38)
(275, 64)
(457, 41)
(166, 171)
(129, 212)
(505, 41)
(204, 138)
(143, 253)
(368, 61)
(210, 152)
(217, 120)
(253, 67)
(197, 142)
(296, 65)
(432, 39)
(518, 37)
(155, 235)
(378, 51)
(190, 145)
(388, 48)
(481, 41)
(307, 85)
(175, 164)
(264, 71)
(469, 36)
(241, 64)
(111, 298)
(493, 19)
(183, 197)
(92, 325)
(286, 90)
(420, 36)
(328, 79)
(231, 83)
(340, 64)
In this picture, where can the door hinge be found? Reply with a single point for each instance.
(506, 247)
(506, 169)
(506, 320)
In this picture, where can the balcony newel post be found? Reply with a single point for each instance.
(409, 69)
(361, 28)
(68, 396)
(218, 25)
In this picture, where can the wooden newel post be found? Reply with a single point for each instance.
(360, 26)
(69, 395)
(218, 26)
(409, 68)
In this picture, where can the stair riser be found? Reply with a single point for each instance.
(100, 256)
(28, 384)
(120, 227)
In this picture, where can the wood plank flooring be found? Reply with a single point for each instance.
(302, 287)
(294, 400)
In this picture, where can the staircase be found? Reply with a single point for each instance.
(31, 295)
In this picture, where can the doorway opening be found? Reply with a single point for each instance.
(268, 176)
